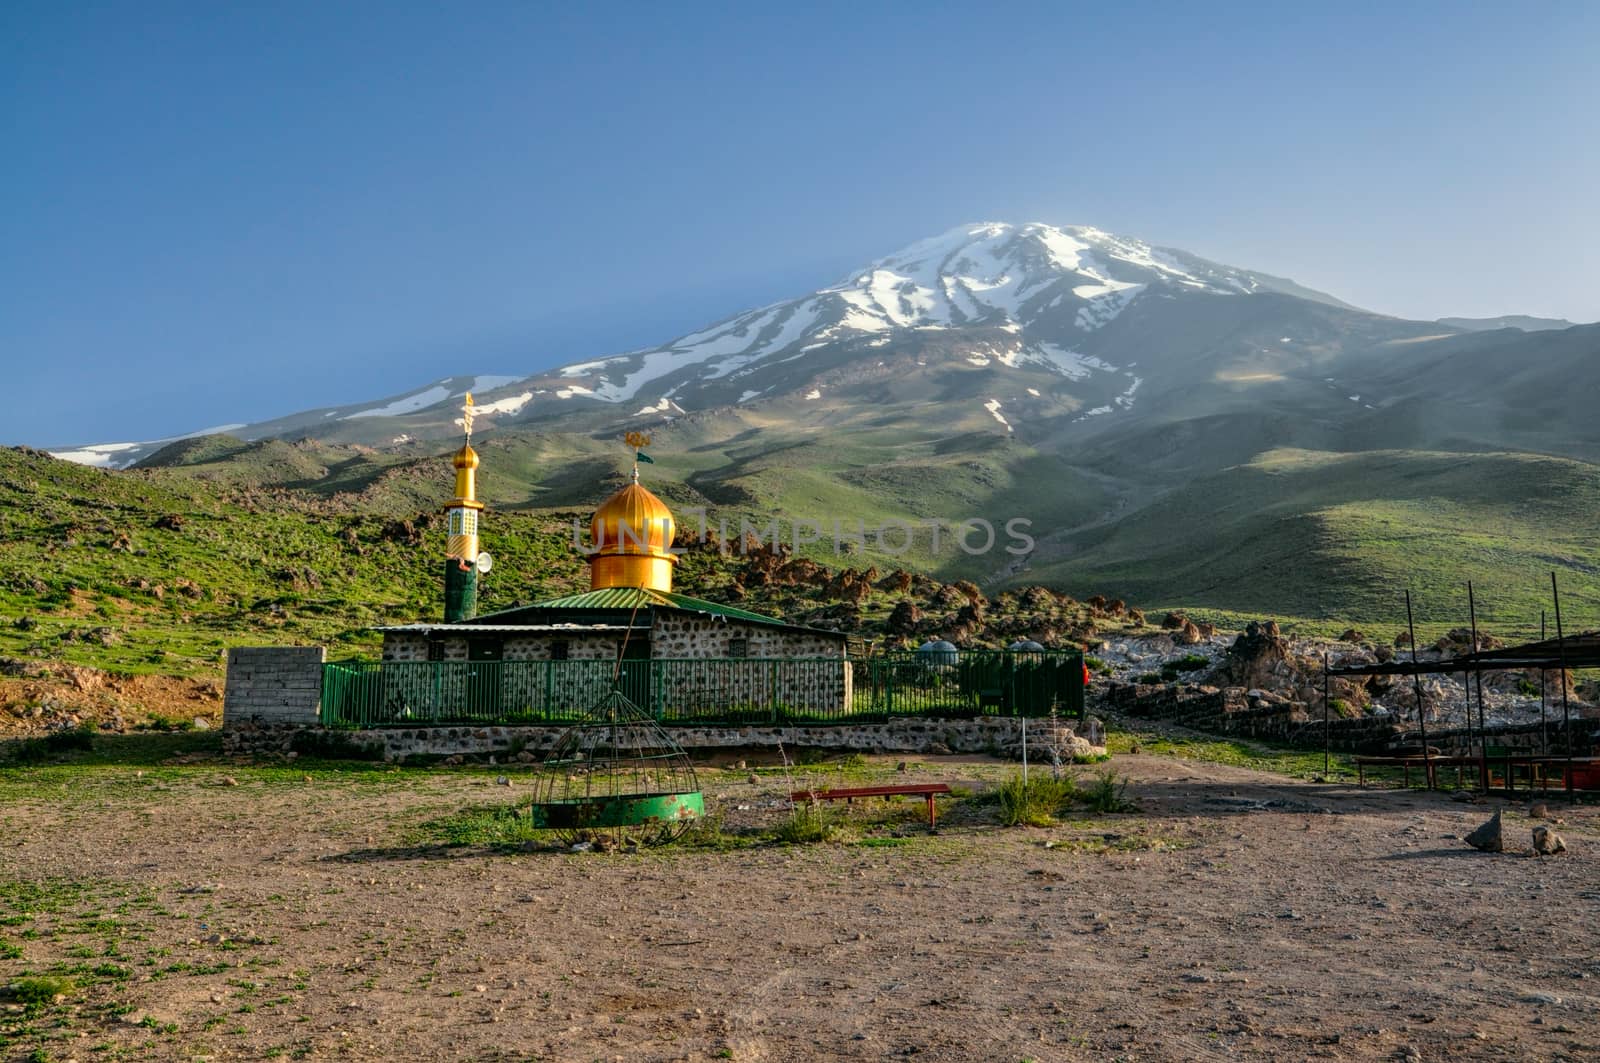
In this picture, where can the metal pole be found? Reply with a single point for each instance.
(1416, 682)
(1544, 731)
(1561, 648)
(1024, 754)
(1483, 739)
(1325, 706)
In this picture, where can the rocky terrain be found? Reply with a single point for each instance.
(1263, 667)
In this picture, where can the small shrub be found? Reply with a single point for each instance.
(1190, 663)
(808, 825)
(711, 832)
(158, 722)
(1149, 678)
(1343, 709)
(42, 989)
(1036, 802)
(1106, 794)
(1527, 688)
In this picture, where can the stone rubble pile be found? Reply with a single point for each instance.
(1261, 667)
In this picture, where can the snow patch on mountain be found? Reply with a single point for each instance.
(513, 404)
(421, 400)
(1069, 363)
(122, 455)
(1125, 400)
(663, 405)
(993, 406)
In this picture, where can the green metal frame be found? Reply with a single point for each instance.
(624, 810)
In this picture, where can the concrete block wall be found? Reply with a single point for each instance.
(273, 685)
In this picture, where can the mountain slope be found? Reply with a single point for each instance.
(1019, 297)
(1318, 534)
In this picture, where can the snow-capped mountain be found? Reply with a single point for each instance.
(1052, 286)
(1077, 316)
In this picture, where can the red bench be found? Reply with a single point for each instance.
(924, 790)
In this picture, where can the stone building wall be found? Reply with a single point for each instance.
(683, 636)
(790, 669)
(601, 647)
(413, 646)
(809, 671)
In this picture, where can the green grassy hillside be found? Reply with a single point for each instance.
(1341, 536)
(160, 572)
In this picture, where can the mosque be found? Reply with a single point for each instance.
(629, 614)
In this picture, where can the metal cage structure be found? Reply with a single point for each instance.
(618, 778)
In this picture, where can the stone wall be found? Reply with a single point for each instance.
(808, 671)
(1262, 714)
(579, 647)
(273, 685)
(685, 635)
(413, 646)
(796, 670)
(997, 736)
(1523, 738)
(1251, 714)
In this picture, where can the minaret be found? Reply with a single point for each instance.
(461, 514)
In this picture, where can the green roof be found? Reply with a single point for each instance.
(644, 598)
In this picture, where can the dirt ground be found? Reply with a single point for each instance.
(41, 697)
(260, 914)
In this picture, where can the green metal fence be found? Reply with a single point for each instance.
(977, 683)
(701, 690)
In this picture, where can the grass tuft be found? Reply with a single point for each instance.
(1037, 802)
(35, 990)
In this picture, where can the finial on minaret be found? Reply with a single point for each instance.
(467, 413)
(638, 441)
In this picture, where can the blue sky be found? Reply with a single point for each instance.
(227, 212)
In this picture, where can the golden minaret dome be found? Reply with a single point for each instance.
(631, 533)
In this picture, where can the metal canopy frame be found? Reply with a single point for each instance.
(1560, 653)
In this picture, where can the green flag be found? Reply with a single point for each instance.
(640, 455)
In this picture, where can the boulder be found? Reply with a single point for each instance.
(1258, 658)
(904, 618)
(1489, 838)
(1547, 842)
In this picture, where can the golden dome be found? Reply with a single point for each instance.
(632, 535)
(466, 458)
